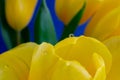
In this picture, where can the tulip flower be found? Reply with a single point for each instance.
(108, 26)
(105, 26)
(19, 12)
(67, 9)
(15, 63)
(113, 45)
(75, 58)
(105, 22)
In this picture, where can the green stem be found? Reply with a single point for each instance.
(18, 37)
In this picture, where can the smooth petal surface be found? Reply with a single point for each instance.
(70, 70)
(113, 45)
(102, 22)
(43, 60)
(7, 73)
(92, 6)
(24, 52)
(108, 26)
(82, 51)
(19, 12)
(15, 67)
(100, 67)
(68, 41)
(67, 9)
(15, 63)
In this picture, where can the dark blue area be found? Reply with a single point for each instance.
(2, 44)
(80, 29)
(57, 23)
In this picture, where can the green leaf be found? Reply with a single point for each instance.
(71, 27)
(8, 34)
(44, 28)
(25, 35)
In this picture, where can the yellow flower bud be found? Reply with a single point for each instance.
(105, 26)
(75, 58)
(105, 9)
(19, 12)
(92, 6)
(67, 9)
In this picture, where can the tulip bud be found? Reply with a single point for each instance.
(106, 26)
(67, 9)
(19, 12)
(105, 22)
(91, 7)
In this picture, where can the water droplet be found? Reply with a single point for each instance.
(71, 35)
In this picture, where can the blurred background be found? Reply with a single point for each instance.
(57, 23)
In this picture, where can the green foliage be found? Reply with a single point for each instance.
(44, 28)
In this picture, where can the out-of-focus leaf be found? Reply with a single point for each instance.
(44, 28)
(8, 34)
(71, 27)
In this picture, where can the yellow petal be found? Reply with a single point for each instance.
(108, 25)
(24, 52)
(48, 66)
(100, 66)
(43, 60)
(16, 62)
(65, 46)
(7, 73)
(19, 12)
(14, 66)
(69, 70)
(67, 41)
(92, 6)
(67, 9)
(82, 51)
(113, 45)
(104, 20)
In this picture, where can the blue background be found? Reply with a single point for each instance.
(57, 23)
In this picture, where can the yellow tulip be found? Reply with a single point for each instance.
(75, 58)
(105, 26)
(91, 8)
(23, 51)
(67, 9)
(113, 45)
(105, 22)
(19, 12)
(15, 64)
